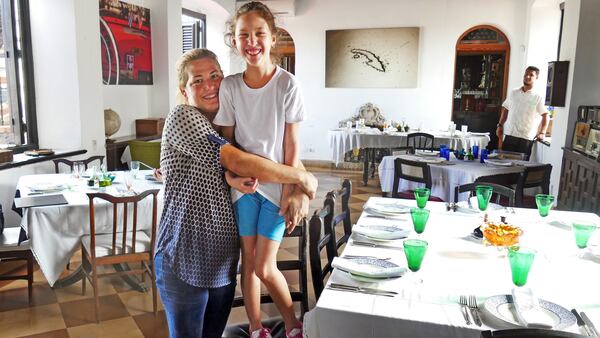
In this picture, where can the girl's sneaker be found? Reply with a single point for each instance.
(294, 333)
(262, 333)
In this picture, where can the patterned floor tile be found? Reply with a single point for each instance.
(80, 312)
(122, 327)
(63, 333)
(13, 299)
(33, 320)
(153, 326)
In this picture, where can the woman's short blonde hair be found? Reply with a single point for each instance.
(184, 61)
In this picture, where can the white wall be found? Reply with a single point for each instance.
(216, 18)
(441, 23)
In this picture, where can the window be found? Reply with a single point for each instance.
(194, 30)
(18, 128)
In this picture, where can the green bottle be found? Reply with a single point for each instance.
(470, 155)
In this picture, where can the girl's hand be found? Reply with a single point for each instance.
(295, 207)
(245, 185)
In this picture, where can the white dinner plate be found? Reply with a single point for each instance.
(47, 187)
(366, 279)
(501, 307)
(387, 209)
(369, 268)
(381, 232)
(434, 153)
(499, 163)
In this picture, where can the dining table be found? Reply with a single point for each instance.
(55, 231)
(446, 175)
(426, 303)
(342, 140)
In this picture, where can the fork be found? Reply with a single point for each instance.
(463, 308)
(474, 310)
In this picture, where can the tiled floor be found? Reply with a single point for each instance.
(124, 312)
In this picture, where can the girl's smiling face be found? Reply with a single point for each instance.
(254, 39)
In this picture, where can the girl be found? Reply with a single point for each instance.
(260, 109)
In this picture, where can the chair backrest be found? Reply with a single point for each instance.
(420, 141)
(316, 246)
(146, 152)
(411, 171)
(498, 190)
(298, 264)
(122, 245)
(529, 333)
(536, 176)
(69, 163)
(332, 219)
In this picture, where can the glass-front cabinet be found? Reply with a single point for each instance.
(480, 79)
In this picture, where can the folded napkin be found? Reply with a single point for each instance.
(47, 187)
(368, 267)
(528, 310)
(385, 232)
(501, 163)
(386, 208)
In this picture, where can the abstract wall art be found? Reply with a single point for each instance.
(125, 42)
(372, 58)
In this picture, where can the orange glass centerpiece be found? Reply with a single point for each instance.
(500, 234)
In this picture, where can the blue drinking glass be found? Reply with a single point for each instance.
(484, 155)
(475, 151)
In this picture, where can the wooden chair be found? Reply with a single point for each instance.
(332, 219)
(422, 141)
(531, 177)
(509, 180)
(529, 333)
(146, 152)
(69, 163)
(11, 250)
(121, 245)
(316, 246)
(299, 264)
(499, 191)
(411, 171)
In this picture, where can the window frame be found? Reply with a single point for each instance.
(202, 28)
(26, 134)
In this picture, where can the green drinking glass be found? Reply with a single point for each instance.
(415, 249)
(419, 218)
(520, 259)
(544, 203)
(583, 230)
(422, 196)
(484, 193)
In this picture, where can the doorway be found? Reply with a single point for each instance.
(480, 79)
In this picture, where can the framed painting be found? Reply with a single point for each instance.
(125, 40)
(580, 136)
(372, 58)
(593, 144)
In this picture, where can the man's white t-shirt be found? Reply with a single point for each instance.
(525, 110)
(259, 116)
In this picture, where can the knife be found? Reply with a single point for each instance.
(363, 289)
(590, 325)
(373, 245)
(581, 323)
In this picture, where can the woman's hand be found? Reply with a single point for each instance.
(294, 207)
(158, 174)
(245, 185)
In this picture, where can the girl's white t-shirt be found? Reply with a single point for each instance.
(259, 116)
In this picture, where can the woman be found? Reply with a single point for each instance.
(197, 247)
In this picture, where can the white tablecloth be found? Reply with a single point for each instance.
(342, 141)
(445, 177)
(455, 265)
(55, 231)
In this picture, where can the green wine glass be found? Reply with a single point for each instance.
(415, 250)
(484, 194)
(544, 203)
(422, 196)
(520, 259)
(583, 231)
(419, 219)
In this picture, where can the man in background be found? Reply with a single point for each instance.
(523, 118)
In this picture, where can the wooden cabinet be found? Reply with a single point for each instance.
(115, 148)
(579, 183)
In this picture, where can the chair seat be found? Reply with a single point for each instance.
(104, 243)
(410, 195)
(9, 240)
(529, 202)
(276, 325)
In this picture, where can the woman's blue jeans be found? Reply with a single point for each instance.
(192, 311)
